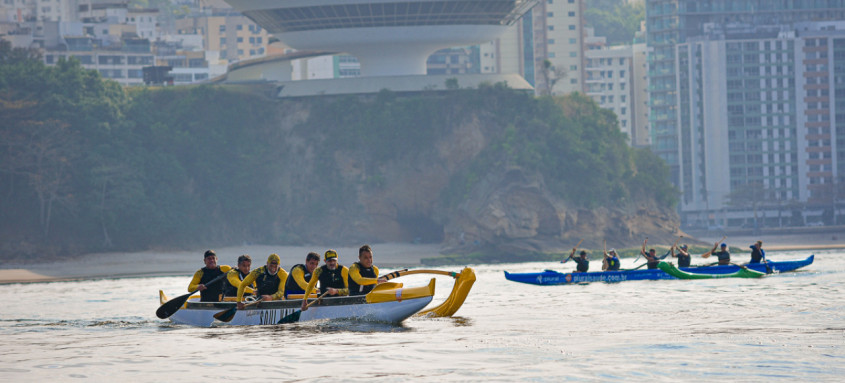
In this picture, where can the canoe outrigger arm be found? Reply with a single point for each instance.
(463, 283)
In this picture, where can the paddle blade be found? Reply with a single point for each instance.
(172, 306)
(291, 318)
(226, 315)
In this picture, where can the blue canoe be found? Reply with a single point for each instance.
(551, 277)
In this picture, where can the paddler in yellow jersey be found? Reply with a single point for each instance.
(300, 275)
(332, 278)
(235, 276)
(269, 281)
(363, 275)
(211, 270)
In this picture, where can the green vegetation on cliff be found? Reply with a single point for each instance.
(89, 166)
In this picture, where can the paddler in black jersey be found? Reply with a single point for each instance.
(363, 276)
(301, 274)
(269, 281)
(332, 278)
(213, 292)
(684, 257)
(235, 276)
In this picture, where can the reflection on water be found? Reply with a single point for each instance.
(783, 327)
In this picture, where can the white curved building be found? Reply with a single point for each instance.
(389, 37)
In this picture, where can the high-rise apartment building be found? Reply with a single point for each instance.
(672, 23)
(609, 82)
(765, 131)
(558, 36)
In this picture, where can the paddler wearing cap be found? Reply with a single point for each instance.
(300, 275)
(332, 277)
(757, 252)
(611, 261)
(723, 254)
(213, 292)
(269, 280)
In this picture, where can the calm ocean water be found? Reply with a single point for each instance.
(787, 327)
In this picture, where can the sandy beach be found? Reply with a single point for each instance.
(387, 256)
(157, 263)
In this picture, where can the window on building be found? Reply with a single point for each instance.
(551, 27)
(573, 41)
(551, 41)
(240, 27)
(571, 27)
(571, 14)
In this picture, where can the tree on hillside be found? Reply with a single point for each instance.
(618, 20)
(551, 75)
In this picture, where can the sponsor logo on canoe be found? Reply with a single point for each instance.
(568, 278)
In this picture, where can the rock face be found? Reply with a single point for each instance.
(511, 212)
(508, 210)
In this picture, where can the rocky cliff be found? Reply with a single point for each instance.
(504, 207)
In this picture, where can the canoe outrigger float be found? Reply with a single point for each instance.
(743, 272)
(389, 302)
(551, 277)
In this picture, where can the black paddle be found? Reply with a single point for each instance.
(766, 263)
(173, 305)
(227, 314)
(294, 316)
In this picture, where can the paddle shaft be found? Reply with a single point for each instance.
(573, 253)
(294, 316)
(170, 307)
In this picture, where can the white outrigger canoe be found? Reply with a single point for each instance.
(389, 303)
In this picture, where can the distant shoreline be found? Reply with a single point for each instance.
(387, 256)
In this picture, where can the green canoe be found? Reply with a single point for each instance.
(743, 272)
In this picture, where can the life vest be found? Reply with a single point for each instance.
(583, 265)
(756, 255)
(331, 278)
(231, 290)
(724, 257)
(266, 283)
(613, 263)
(211, 293)
(684, 260)
(356, 289)
(651, 265)
(291, 287)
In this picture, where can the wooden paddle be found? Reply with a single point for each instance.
(670, 249)
(641, 253)
(570, 255)
(168, 308)
(294, 316)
